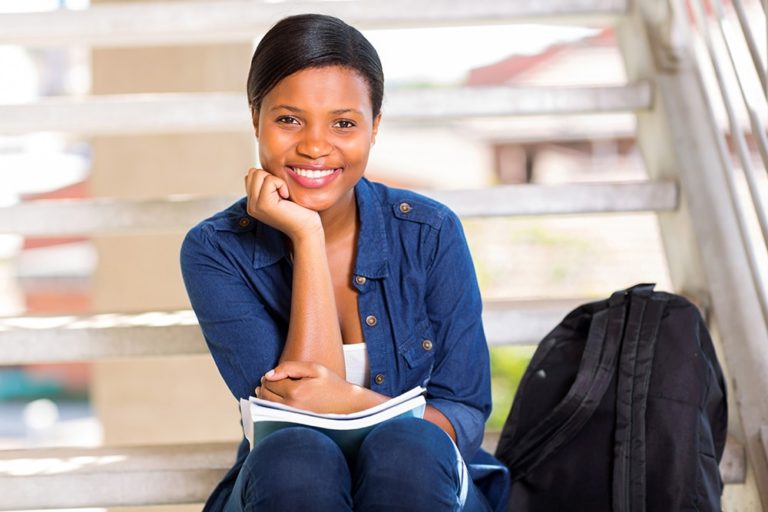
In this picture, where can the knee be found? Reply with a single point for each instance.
(409, 443)
(409, 461)
(291, 463)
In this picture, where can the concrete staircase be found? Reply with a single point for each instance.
(175, 474)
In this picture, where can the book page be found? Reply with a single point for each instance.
(418, 390)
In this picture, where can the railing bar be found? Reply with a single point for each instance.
(701, 21)
(764, 5)
(760, 137)
(750, 39)
(757, 129)
(736, 131)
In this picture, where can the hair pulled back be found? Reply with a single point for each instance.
(312, 41)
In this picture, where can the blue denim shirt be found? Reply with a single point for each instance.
(420, 306)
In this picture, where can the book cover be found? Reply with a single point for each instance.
(262, 417)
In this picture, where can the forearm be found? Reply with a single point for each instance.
(433, 415)
(364, 398)
(313, 333)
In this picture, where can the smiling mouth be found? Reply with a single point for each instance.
(314, 173)
(313, 178)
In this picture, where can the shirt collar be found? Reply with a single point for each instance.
(372, 246)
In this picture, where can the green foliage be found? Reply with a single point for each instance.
(507, 367)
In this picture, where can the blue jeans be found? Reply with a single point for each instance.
(403, 464)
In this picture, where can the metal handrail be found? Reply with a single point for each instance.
(718, 67)
(750, 40)
(758, 128)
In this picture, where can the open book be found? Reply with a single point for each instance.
(262, 417)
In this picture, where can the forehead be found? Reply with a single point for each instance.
(329, 87)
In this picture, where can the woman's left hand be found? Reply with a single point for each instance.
(308, 386)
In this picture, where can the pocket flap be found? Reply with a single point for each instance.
(420, 346)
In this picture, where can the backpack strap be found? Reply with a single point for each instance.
(595, 373)
(633, 378)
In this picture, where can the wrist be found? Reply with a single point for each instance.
(308, 234)
(361, 398)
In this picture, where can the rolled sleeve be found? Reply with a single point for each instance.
(460, 383)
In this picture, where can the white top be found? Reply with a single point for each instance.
(356, 364)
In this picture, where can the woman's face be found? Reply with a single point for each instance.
(315, 130)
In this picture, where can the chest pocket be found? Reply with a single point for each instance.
(418, 351)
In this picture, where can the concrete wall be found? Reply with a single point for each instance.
(166, 400)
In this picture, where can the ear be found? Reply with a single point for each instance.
(375, 128)
(255, 120)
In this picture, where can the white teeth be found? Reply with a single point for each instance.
(308, 173)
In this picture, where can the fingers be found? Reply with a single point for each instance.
(273, 184)
(276, 374)
(268, 394)
(254, 182)
(261, 184)
(251, 180)
(273, 187)
(283, 189)
(285, 390)
(292, 370)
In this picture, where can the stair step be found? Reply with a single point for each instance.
(101, 477)
(219, 111)
(27, 340)
(109, 216)
(157, 475)
(167, 23)
(49, 339)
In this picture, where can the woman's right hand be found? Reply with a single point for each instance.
(269, 201)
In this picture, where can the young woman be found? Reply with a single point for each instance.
(328, 292)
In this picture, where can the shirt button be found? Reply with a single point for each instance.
(379, 378)
(426, 344)
(244, 222)
(405, 207)
(360, 280)
(371, 320)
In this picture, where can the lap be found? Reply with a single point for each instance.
(397, 459)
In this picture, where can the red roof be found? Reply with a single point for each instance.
(505, 71)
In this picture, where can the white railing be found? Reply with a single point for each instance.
(727, 50)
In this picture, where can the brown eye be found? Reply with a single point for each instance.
(344, 124)
(287, 120)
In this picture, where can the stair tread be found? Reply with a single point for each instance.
(219, 111)
(112, 216)
(130, 24)
(158, 474)
(87, 477)
(35, 339)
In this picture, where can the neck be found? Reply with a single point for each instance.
(340, 221)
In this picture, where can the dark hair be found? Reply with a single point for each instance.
(312, 41)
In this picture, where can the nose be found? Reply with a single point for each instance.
(314, 144)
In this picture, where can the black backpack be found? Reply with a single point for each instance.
(622, 409)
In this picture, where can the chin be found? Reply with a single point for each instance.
(313, 203)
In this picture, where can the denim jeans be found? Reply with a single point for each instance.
(403, 464)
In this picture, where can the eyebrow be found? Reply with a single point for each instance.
(297, 110)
